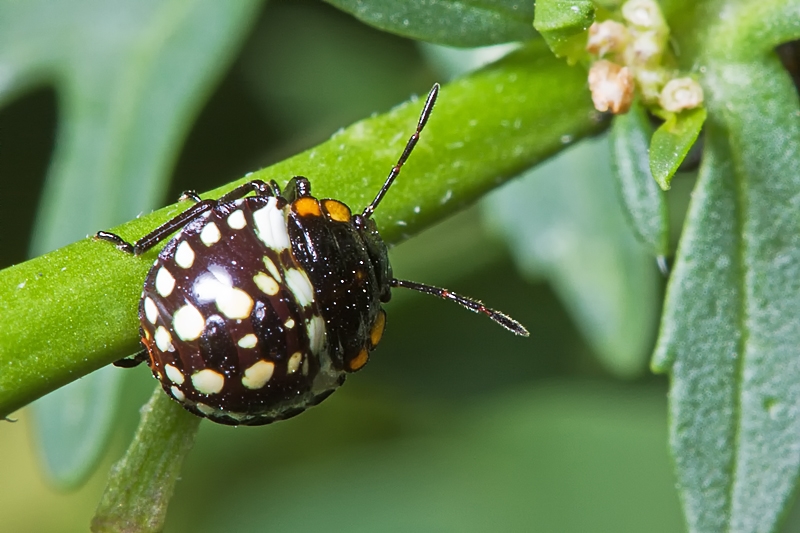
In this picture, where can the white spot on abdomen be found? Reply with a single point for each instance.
(234, 303)
(164, 282)
(150, 310)
(271, 226)
(217, 286)
(177, 393)
(208, 381)
(300, 285)
(236, 219)
(174, 374)
(210, 234)
(184, 255)
(270, 264)
(188, 323)
(208, 285)
(164, 340)
(266, 283)
(316, 333)
(294, 363)
(258, 375)
(248, 341)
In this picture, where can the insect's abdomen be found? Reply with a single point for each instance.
(230, 320)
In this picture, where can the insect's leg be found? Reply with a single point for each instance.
(275, 187)
(473, 305)
(160, 233)
(297, 187)
(133, 360)
(256, 186)
(191, 194)
(171, 226)
(427, 109)
(116, 240)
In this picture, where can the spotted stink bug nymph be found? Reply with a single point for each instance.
(261, 305)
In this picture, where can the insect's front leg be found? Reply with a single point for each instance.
(298, 187)
(133, 360)
(259, 187)
(160, 233)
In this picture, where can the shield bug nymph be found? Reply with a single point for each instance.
(260, 305)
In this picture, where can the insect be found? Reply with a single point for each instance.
(261, 305)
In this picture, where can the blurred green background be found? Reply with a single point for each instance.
(455, 425)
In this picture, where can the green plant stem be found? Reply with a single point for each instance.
(141, 484)
(74, 310)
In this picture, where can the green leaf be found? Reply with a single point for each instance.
(642, 199)
(563, 221)
(672, 141)
(130, 78)
(730, 337)
(467, 148)
(563, 24)
(141, 484)
(761, 26)
(463, 23)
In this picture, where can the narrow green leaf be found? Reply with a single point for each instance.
(127, 99)
(672, 141)
(563, 24)
(700, 343)
(730, 337)
(467, 148)
(463, 23)
(564, 222)
(141, 483)
(642, 199)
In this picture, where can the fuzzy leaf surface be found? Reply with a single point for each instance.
(562, 23)
(730, 335)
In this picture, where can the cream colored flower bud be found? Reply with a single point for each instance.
(646, 49)
(644, 15)
(611, 86)
(650, 81)
(680, 94)
(607, 36)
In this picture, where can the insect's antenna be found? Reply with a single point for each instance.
(412, 142)
(473, 305)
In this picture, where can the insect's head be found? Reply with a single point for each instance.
(376, 247)
(378, 254)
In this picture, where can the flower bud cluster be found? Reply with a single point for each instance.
(630, 54)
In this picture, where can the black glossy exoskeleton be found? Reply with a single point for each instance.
(260, 305)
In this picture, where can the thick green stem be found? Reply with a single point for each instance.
(141, 483)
